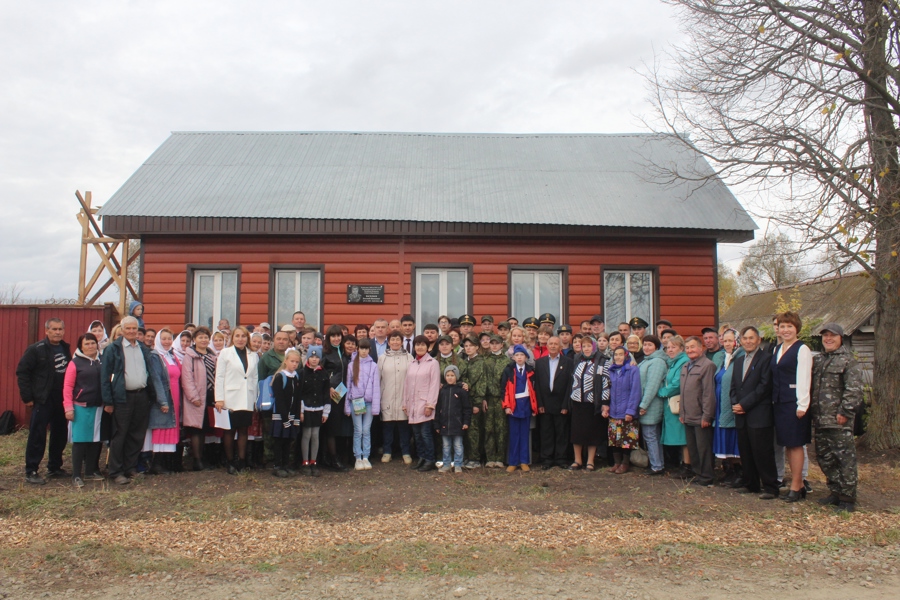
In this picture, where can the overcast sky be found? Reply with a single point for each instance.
(91, 89)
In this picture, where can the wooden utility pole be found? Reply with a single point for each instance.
(115, 269)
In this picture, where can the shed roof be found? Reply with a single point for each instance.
(847, 300)
(600, 180)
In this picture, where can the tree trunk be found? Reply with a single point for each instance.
(884, 420)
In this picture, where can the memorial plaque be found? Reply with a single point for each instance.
(365, 294)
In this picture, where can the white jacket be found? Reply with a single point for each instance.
(236, 388)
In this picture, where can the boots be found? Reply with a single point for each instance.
(617, 462)
(157, 465)
(314, 469)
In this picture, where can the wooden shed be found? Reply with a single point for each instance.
(352, 226)
(848, 300)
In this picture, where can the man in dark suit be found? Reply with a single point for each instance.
(751, 401)
(553, 387)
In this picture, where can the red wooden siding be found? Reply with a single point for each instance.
(686, 282)
(22, 325)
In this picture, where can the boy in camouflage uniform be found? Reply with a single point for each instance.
(474, 363)
(835, 399)
(495, 417)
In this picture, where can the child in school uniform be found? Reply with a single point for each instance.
(315, 406)
(452, 417)
(519, 404)
(286, 413)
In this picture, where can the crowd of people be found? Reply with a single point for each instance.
(504, 396)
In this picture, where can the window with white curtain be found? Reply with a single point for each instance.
(297, 289)
(440, 292)
(627, 294)
(215, 297)
(534, 293)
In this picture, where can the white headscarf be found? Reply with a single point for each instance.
(169, 356)
(176, 345)
(104, 341)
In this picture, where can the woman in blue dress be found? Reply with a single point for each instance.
(725, 439)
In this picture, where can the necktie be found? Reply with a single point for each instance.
(408, 346)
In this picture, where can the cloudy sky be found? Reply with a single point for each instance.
(92, 88)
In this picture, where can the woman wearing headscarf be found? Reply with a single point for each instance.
(622, 411)
(198, 379)
(99, 331)
(653, 371)
(180, 346)
(165, 415)
(725, 439)
(673, 429)
(590, 393)
(84, 409)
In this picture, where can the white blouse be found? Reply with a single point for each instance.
(804, 374)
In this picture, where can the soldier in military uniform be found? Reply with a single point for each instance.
(837, 394)
(638, 326)
(474, 363)
(466, 324)
(495, 417)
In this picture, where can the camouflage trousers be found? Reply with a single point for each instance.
(495, 431)
(836, 454)
(473, 440)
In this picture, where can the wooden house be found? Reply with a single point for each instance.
(352, 226)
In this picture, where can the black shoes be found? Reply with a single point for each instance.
(427, 465)
(417, 465)
(844, 507)
(157, 467)
(34, 479)
(795, 496)
(807, 487)
(829, 500)
(58, 473)
(767, 496)
(546, 466)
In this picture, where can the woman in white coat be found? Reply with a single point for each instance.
(236, 379)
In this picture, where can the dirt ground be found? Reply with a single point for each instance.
(394, 532)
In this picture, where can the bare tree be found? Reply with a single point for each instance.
(771, 263)
(801, 101)
(11, 294)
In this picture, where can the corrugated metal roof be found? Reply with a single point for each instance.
(583, 179)
(848, 301)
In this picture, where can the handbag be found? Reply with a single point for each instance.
(675, 404)
(359, 406)
(639, 457)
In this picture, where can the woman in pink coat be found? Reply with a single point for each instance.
(198, 378)
(420, 394)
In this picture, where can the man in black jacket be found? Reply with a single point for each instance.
(41, 372)
(751, 400)
(127, 390)
(553, 387)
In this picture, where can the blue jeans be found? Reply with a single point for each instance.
(653, 438)
(424, 434)
(457, 443)
(362, 433)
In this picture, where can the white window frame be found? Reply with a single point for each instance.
(217, 295)
(297, 306)
(628, 272)
(442, 290)
(534, 311)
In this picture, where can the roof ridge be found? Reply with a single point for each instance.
(428, 133)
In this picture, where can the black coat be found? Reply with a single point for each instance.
(37, 372)
(315, 387)
(452, 411)
(560, 397)
(287, 394)
(754, 393)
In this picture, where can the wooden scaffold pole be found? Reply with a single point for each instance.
(115, 268)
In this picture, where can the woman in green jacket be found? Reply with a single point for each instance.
(653, 376)
(672, 429)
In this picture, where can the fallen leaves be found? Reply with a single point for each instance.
(257, 539)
